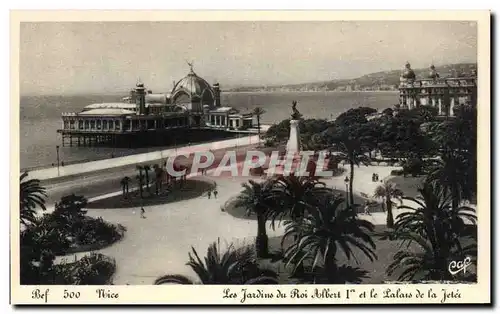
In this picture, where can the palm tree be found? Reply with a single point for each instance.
(124, 183)
(453, 173)
(31, 196)
(255, 198)
(293, 196)
(140, 169)
(146, 169)
(140, 180)
(437, 228)
(457, 139)
(258, 112)
(233, 266)
(323, 233)
(387, 191)
(158, 177)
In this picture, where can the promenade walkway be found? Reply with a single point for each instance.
(92, 166)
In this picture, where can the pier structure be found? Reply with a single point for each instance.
(193, 106)
(442, 93)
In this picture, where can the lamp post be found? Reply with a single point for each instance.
(346, 180)
(57, 152)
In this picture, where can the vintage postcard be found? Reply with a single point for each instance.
(171, 157)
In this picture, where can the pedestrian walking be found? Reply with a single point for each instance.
(143, 212)
(209, 194)
(215, 193)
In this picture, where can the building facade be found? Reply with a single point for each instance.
(442, 93)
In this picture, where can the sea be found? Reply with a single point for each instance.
(41, 117)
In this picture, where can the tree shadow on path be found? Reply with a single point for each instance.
(192, 188)
(240, 212)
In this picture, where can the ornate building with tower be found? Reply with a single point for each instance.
(436, 91)
(192, 104)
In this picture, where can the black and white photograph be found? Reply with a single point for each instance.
(312, 153)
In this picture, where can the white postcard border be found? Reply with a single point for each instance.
(198, 294)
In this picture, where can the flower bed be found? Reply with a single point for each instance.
(94, 234)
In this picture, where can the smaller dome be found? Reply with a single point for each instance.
(433, 73)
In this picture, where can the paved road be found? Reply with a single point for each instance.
(76, 170)
(108, 181)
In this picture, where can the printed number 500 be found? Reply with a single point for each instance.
(71, 295)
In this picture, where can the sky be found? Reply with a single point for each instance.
(109, 57)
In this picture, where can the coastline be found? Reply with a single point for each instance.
(144, 150)
(56, 173)
(323, 92)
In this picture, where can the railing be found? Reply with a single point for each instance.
(441, 82)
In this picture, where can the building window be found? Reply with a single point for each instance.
(98, 124)
(111, 124)
(80, 124)
(126, 125)
(105, 124)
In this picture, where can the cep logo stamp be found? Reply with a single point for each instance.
(456, 267)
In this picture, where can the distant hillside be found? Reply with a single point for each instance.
(379, 81)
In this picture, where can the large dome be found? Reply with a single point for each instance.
(193, 88)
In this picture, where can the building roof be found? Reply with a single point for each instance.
(223, 109)
(193, 85)
(111, 105)
(157, 98)
(106, 112)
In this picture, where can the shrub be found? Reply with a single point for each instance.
(93, 269)
(97, 231)
(269, 143)
(397, 172)
(413, 166)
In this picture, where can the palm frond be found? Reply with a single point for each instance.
(173, 279)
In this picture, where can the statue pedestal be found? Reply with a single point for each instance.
(293, 145)
(291, 161)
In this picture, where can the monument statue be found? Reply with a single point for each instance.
(296, 115)
(190, 64)
(293, 145)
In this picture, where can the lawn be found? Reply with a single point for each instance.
(408, 185)
(192, 188)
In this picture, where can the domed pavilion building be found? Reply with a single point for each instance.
(192, 104)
